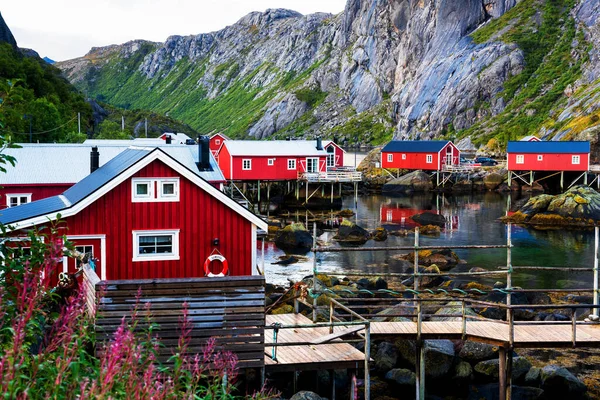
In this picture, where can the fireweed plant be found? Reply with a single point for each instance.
(47, 339)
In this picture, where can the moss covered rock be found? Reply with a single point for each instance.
(351, 233)
(294, 236)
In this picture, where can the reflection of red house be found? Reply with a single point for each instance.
(430, 155)
(216, 141)
(145, 215)
(402, 216)
(548, 156)
(272, 160)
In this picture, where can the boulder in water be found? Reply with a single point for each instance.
(430, 218)
(380, 234)
(416, 181)
(351, 233)
(294, 236)
(561, 383)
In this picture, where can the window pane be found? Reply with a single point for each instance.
(155, 244)
(142, 189)
(168, 188)
(14, 201)
(23, 199)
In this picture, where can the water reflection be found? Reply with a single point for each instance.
(472, 219)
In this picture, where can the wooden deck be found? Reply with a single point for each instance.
(542, 335)
(331, 355)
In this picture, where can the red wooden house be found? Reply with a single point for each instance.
(216, 141)
(548, 156)
(273, 160)
(430, 155)
(148, 214)
(45, 170)
(335, 154)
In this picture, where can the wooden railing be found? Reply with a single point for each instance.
(331, 176)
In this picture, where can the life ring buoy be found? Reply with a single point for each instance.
(216, 257)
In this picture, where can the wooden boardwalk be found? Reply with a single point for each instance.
(331, 355)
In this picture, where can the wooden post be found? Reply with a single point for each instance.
(416, 265)
(420, 370)
(367, 358)
(297, 190)
(574, 327)
(258, 195)
(596, 243)
(530, 178)
(437, 175)
(562, 181)
(509, 270)
(262, 256)
(464, 320)
(306, 194)
(585, 178)
(502, 373)
(332, 193)
(509, 367)
(510, 180)
(352, 386)
(332, 375)
(355, 193)
(331, 313)
(314, 270)
(322, 190)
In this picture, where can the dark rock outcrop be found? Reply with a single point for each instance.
(416, 181)
(294, 236)
(351, 233)
(6, 35)
(430, 218)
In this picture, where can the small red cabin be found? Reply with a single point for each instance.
(273, 160)
(335, 154)
(45, 170)
(548, 156)
(176, 138)
(216, 141)
(430, 155)
(146, 215)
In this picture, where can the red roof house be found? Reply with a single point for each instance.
(548, 156)
(273, 160)
(430, 155)
(146, 214)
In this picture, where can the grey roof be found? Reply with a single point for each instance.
(70, 163)
(93, 182)
(415, 146)
(274, 148)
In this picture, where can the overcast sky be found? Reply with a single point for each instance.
(65, 29)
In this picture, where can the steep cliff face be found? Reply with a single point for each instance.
(5, 34)
(409, 68)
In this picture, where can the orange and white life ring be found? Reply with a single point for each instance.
(216, 257)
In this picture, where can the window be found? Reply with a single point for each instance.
(292, 163)
(520, 159)
(330, 156)
(88, 251)
(13, 200)
(271, 162)
(575, 159)
(404, 156)
(247, 164)
(390, 157)
(154, 190)
(155, 245)
(540, 157)
(429, 159)
(217, 141)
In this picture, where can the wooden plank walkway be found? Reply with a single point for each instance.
(542, 335)
(331, 355)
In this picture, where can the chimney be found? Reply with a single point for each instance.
(319, 143)
(94, 159)
(204, 153)
(168, 139)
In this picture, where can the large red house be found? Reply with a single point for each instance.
(273, 160)
(148, 213)
(430, 155)
(45, 170)
(548, 156)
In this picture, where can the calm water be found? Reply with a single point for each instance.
(472, 219)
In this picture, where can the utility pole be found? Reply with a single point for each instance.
(79, 122)
(122, 122)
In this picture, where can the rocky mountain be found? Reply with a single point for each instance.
(5, 34)
(483, 71)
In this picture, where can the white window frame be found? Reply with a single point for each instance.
(520, 159)
(540, 157)
(18, 197)
(291, 164)
(390, 157)
(174, 255)
(270, 162)
(156, 190)
(249, 161)
(217, 142)
(575, 160)
(330, 160)
(429, 158)
(404, 156)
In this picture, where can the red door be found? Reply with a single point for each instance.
(92, 248)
